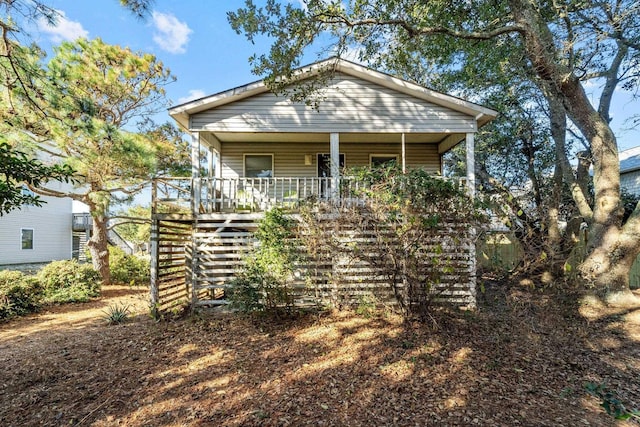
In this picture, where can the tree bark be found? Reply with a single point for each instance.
(609, 246)
(99, 248)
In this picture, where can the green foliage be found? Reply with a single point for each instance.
(366, 306)
(416, 191)
(610, 402)
(263, 284)
(134, 224)
(401, 229)
(68, 281)
(117, 314)
(17, 169)
(629, 202)
(19, 294)
(128, 269)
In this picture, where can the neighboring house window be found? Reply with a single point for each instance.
(258, 165)
(27, 238)
(381, 159)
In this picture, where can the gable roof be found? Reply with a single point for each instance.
(629, 160)
(482, 114)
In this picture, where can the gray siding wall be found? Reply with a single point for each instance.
(51, 226)
(288, 158)
(348, 104)
(631, 182)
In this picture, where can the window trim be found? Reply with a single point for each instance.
(372, 155)
(244, 164)
(22, 230)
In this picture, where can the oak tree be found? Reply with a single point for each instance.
(560, 44)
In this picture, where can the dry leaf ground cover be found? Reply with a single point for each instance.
(521, 359)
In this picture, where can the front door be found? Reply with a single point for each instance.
(324, 171)
(324, 165)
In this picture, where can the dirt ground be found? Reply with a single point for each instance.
(521, 359)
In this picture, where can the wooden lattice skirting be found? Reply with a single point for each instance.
(194, 259)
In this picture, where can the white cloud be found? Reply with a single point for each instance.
(193, 94)
(63, 29)
(171, 35)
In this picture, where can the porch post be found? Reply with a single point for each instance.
(471, 173)
(335, 163)
(471, 186)
(210, 171)
(404, 155)
(195, 172)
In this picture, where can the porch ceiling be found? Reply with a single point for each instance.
(258, 137)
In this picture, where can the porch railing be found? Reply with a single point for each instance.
(211, 195)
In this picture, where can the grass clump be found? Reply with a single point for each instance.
(117, 314)
(19, 294)
(68, 281)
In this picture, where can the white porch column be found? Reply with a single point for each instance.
(334, 140)
(210, 162)
(404, 155)
(471, 173)
(195, 172)
(471, 186)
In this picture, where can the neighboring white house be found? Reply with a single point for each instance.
(630, 170)
(35, 234)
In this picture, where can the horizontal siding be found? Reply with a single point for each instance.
(631, 182)
(52, 232)
(289, 157)
(348, 104)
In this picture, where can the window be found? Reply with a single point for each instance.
(382, 159)
(258, 165)
(27, 238)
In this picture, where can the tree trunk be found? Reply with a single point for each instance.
(608, 265)
(99, 248)
(609, 247)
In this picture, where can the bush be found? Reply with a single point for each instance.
(68, 281)
(264, 282)
(19, 294)
(128, 269)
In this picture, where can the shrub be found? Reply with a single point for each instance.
(264, 282)
(68, 281)
(19, 294)
(129, 269)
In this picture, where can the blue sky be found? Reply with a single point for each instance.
(194, 39)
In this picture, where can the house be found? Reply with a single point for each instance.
(51, 232)
(252, 150)
(630, 170)
(36, 234)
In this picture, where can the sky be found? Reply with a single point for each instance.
(195, 41)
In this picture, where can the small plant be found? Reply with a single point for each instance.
(117, 314)
(366, 306)
(19, 294)
(610, 402)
